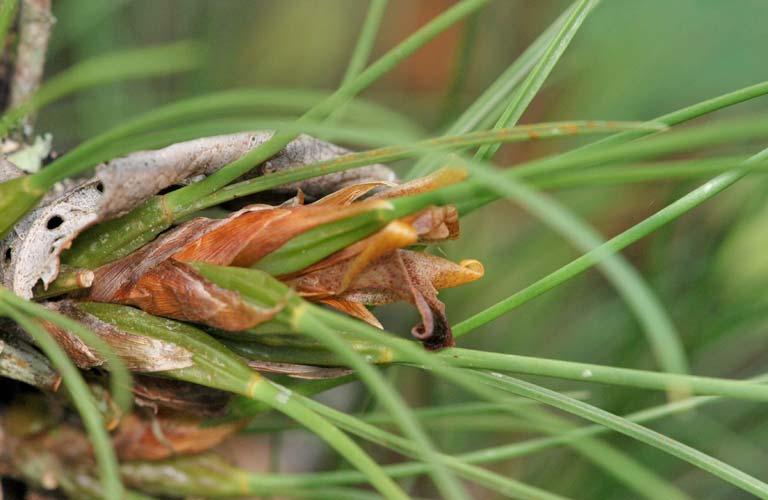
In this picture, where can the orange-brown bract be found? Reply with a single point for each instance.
(372, 271)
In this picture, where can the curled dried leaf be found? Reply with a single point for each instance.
(413, 277)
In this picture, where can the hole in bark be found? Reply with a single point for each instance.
(8, 254)
(100, 187)
(54, 222)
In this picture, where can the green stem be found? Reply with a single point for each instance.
(630, 472)
(688, 113)
(430, 414)
(115, 67)
(588, 372)
(210, 476)
(479, 475)
(399, 152)
(405, 446)
(365, 41)
(283, 400)
(487, 106)
(528, 365)
(643, 480)
(646, 172)
(660, 332)
(513, 450)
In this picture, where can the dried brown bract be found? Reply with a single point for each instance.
(372, 271)
(154, 437)
(400, 275)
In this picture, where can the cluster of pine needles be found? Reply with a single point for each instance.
(166, 327)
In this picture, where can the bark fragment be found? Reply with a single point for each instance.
(35, 25)
(20, 361)
(141, 354)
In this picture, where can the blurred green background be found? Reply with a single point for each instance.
(632, 60)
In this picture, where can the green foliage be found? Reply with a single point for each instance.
(690, 283)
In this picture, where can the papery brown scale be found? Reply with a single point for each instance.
(350, 194)
(116, 278)
(435, 224)
(163, 393)
(441, 178)
(304, 372)
(162, 436)
(245, 239)
(354, 309)
(301, 220)
(222, 244)
(397, 234)
(174, 290)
